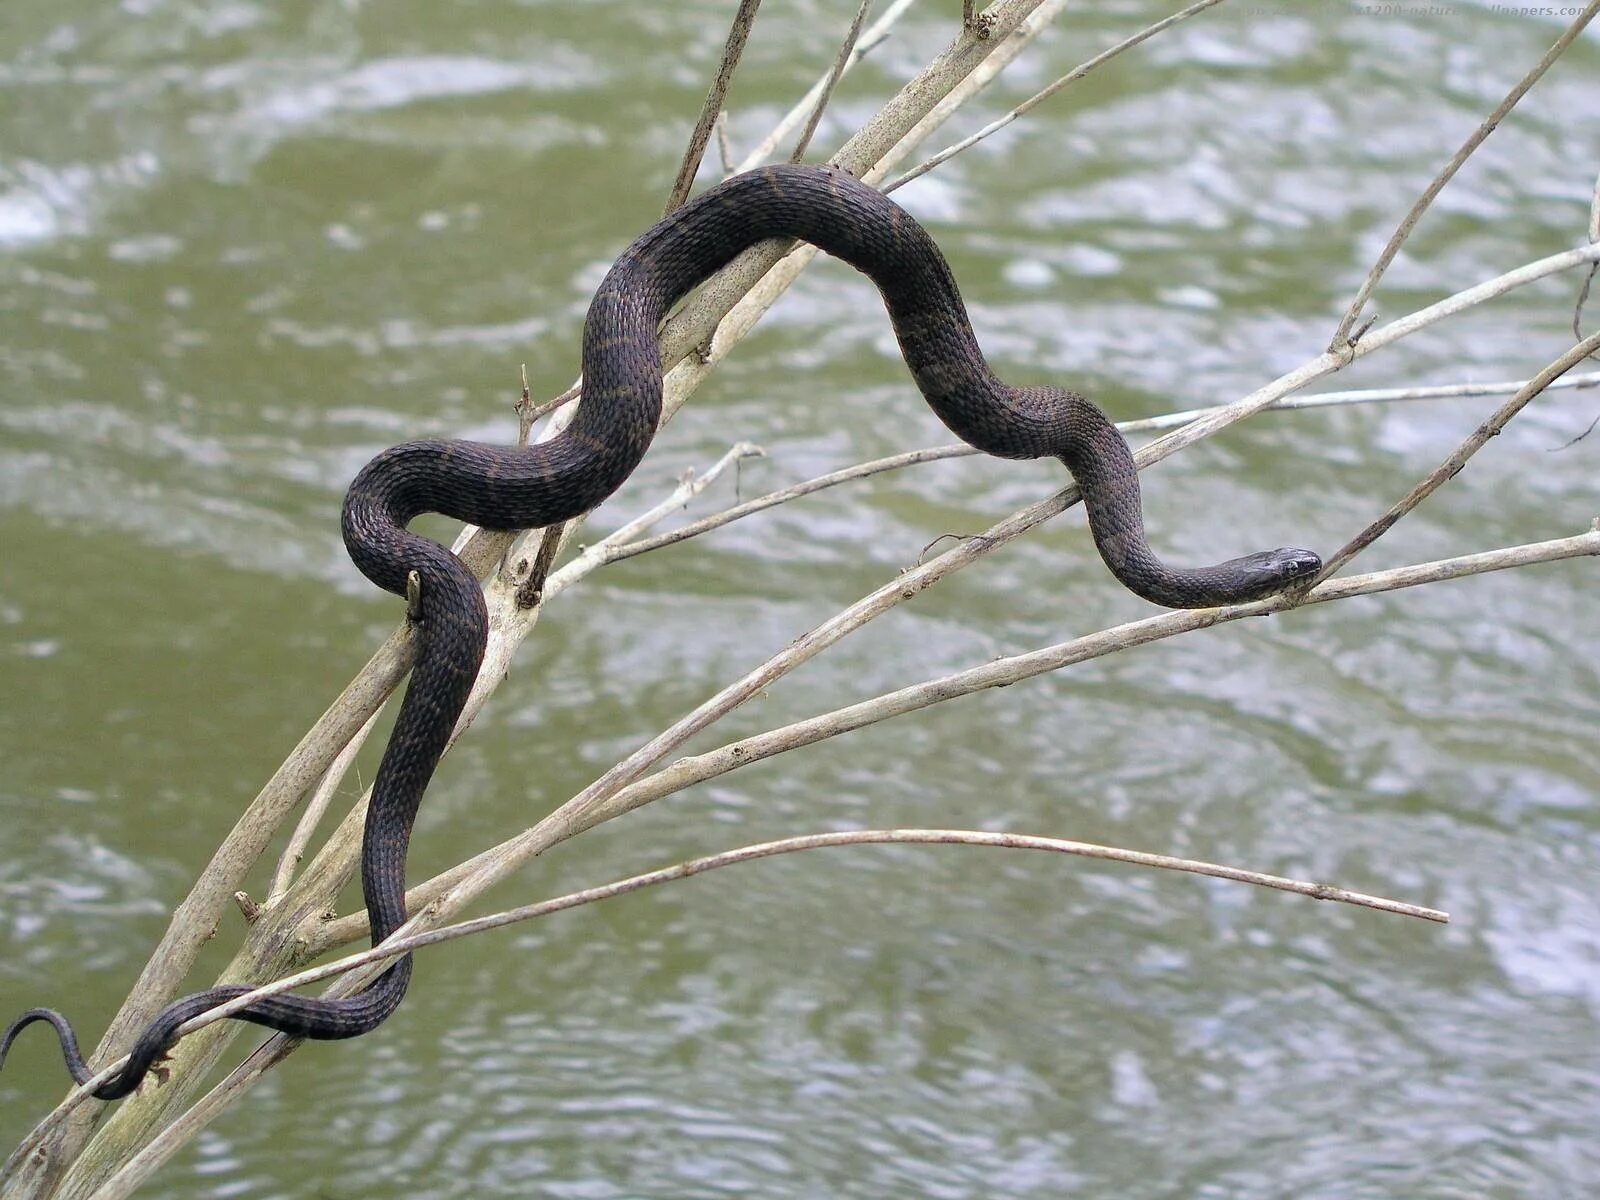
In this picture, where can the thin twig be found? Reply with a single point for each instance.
(526, 414)
(732, 50)
(1458, 458)
(1343, 399)
(1594, 212)
(538, 411)
(1573, 441)
(316, 808)
(1583, 299)
(874, 35)
(530, 592)
(531, 589)
(1588, 280)
(790, 845)
(724, 145)
(690, 486)
(715, 521)
(911, 458)
(1341, 335)
(1039, 98)
(845, 50)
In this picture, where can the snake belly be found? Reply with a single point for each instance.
(526, 487)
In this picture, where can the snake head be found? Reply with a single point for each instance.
(1273, 571)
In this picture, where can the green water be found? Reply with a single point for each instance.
(244, 246)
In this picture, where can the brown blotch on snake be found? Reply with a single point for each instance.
(531, 486)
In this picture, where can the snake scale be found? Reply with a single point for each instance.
(557, 480)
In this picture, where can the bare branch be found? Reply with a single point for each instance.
(525, 410)
(1588, 281)
(1594, 212)
(790, 845)
(316, 808)
(688, 488)
(895, 462)
(732, 51)
(1458, 458)
(537, 411)
(470, 878)
(874, 34)
(845, 50)
(1003, 672)
(530, 586)
(1039, 98)
(1583, 299)
(1342, 334)
(1573, 441)
(124, 1182)
(1364, 396)
(724, 146)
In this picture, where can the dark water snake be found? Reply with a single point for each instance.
(528, 487)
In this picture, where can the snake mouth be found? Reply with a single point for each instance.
(1273, 571)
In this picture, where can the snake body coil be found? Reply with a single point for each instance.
(527, 487)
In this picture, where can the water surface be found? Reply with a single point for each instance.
(245, 246)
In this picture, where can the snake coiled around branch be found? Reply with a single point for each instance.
(527, 487)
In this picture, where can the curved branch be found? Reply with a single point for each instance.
(122, 1184)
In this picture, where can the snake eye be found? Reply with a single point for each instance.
(1298, 564)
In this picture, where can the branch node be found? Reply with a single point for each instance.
(950, 537)
(524, 410)
(531, 589)
(250, 909)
